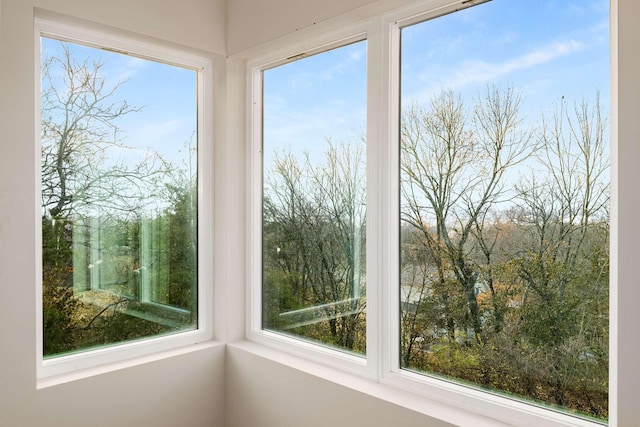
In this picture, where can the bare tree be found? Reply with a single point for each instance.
(314, 221)
(565, 213)
(453, 168)
(81, 149)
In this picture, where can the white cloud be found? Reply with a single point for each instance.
(154, 134)
(483, 72)
(345, 65)
(129, 68)
(307, 129)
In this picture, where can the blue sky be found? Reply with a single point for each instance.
(309, 100)
(546, 49)
(166, 95)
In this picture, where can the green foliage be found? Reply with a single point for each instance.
(181, 235)
(69, 324)
(84, 318)
(56, 247)
(116, 327)
(59, 309)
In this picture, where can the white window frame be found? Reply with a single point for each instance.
(382, 361)
(329, 356)
(68, 367)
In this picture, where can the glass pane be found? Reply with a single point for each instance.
(504, 201)
(314, 198)
(119, 201)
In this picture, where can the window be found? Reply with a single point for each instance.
(122, 168)
(314, 198)
(487, 243)
(504, 201)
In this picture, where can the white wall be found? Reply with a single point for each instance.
(625, 233)
(253, 22)
(180, 390)
(265, 393)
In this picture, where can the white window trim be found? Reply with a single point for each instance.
(65, 368)
(382, 361)
(307, 47)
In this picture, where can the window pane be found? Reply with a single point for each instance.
(314, 198)
(119, 201)
(504, 201)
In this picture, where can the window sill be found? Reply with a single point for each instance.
(449, 403)
(136, 361)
